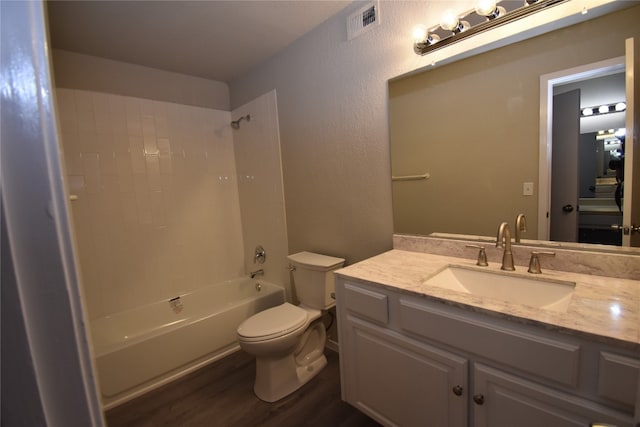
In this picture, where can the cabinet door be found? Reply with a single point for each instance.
(502, 400)
(402, 382)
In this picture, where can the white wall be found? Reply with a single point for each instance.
(157, 213)
(77, 71)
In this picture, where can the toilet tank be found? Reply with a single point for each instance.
(313, 278)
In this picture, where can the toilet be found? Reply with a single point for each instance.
(288, 340)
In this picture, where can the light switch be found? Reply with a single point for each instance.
(527, 189)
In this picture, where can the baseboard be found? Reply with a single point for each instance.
(333, 345)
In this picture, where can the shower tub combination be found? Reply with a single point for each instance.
(140, 349)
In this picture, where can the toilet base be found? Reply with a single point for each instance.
(278, 378)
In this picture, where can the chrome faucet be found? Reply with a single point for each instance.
(253, 274)
(521, 225)
(504, 240)
(259, 255)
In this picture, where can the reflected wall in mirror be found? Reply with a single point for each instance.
(473, 127)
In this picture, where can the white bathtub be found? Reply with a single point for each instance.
(141, 349)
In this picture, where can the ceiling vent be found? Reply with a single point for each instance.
(363, 20)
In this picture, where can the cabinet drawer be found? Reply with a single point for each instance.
(538, 355)
(370, 304)
(618, 377)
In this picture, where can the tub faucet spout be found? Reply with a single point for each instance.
(253, 274)
(504, 240)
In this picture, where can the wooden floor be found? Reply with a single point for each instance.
(221, 394)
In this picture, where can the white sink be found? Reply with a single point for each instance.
(536, 292)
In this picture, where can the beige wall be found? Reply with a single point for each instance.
(158, 211)
(474, 126)
(84, 72)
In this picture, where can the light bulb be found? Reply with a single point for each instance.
(587, 112)
(449, 20)
(419, 33)
(621, 106)
(603, 109)
(485, 7)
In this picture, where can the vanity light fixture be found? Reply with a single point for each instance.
(451, 22)
(616, 107)
(605, 135)
(489, 9)
(487, 14)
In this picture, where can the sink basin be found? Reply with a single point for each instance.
(535, 292)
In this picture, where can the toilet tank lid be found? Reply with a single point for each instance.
(315, 261)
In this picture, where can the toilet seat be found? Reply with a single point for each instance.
(273, 323)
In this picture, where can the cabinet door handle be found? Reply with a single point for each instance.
(457, 390)
(479, 399)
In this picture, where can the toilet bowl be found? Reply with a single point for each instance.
(288, 341)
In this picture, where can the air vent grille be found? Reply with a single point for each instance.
(363, 20)
(369, 16)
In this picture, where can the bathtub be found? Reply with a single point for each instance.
(140, 349)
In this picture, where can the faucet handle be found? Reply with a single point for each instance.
(482, 255)
(534, 262)
(259, 255)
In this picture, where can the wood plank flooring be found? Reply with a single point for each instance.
(221, 395)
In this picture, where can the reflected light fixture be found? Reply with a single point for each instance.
(487, 14)
(616, 107)
(604, 135)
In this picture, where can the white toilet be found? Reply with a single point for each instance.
(288, 341)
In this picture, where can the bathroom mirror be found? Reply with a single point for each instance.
(465, 136)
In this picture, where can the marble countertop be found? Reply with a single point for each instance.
(604, 308)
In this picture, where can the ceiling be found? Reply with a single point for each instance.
(215, 39)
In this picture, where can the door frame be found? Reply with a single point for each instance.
(547, 83)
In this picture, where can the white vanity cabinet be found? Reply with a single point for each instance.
(406, 360)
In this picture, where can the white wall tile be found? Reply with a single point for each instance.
(118, 114)
(153, 172)
(72, 153)
(67, 110)
(91, 171)
(102, 113)
(84, 112)
(134, 117)
(136, 152)
(152, 220)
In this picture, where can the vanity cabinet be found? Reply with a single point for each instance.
(503, 400)
(400, 381)
(406, 360)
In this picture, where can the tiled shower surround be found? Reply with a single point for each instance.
(157, 210)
